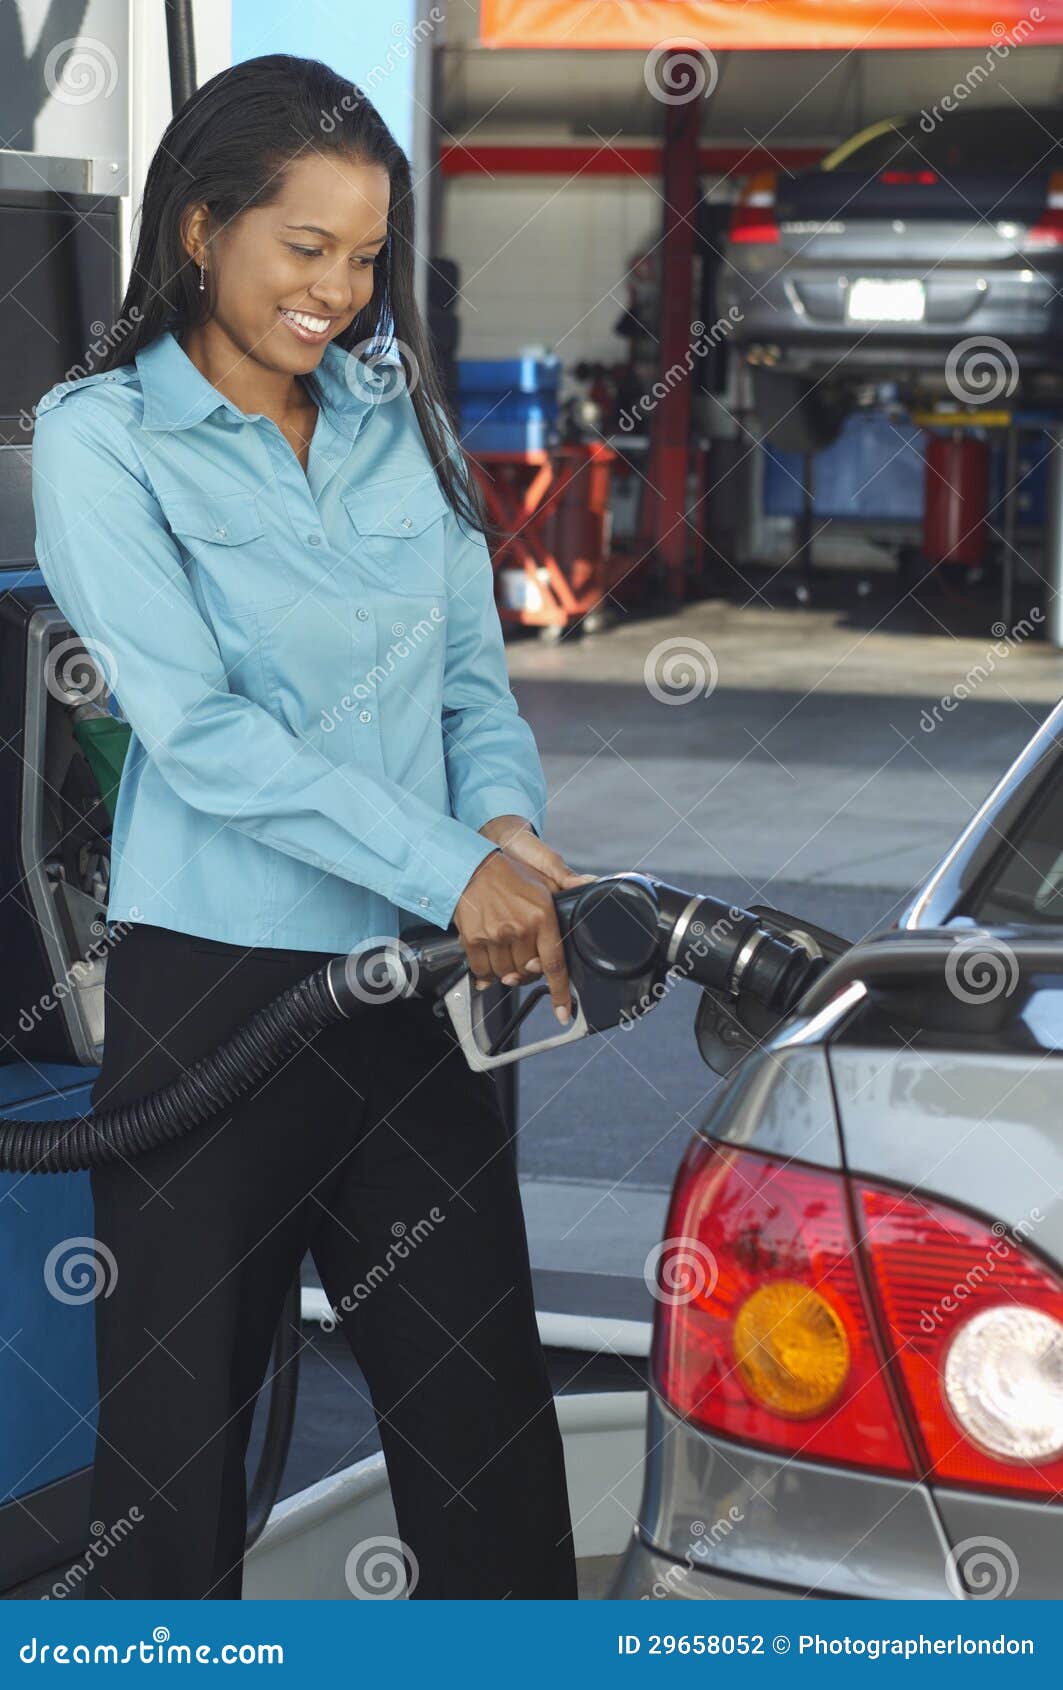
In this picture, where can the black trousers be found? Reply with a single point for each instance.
(378, 1149)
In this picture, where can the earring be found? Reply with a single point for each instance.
(202, 275)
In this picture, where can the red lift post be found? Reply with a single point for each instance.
(663, 526)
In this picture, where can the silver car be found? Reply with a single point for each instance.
(926, 251)
(857, 1361)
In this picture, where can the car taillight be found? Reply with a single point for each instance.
(976, 1324)
(753, 216)
(1047, 232)
(764, 1332)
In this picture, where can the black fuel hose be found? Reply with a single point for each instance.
(715, 944)
(255, 1049)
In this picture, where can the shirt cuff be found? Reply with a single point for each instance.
(441, 868)
(492, 801)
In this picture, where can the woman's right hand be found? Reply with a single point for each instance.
(506, 918)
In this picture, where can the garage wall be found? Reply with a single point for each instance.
(543, 261)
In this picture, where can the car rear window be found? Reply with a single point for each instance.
(1024, 883)
(1005, 139)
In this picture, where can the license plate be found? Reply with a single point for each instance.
(872, 301)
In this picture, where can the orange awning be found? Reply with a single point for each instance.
(999, 26)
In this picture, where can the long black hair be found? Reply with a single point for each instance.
(227, 148)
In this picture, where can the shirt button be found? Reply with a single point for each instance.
(363, 614)
(365, 715)
(313, 539)
(221, 533)
(424, 902)
(407, 522)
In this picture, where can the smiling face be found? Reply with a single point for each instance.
(291, 276)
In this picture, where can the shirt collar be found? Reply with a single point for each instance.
(177, 395)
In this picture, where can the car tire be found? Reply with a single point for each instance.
(795, 415)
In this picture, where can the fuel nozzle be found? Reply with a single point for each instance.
(732, 950)
(626, 936)
(627, 924)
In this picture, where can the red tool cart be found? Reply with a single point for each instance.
(553, 563)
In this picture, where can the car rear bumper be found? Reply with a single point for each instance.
(800, 317)
(646, 1575)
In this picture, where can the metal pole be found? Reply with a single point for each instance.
(1053, 567)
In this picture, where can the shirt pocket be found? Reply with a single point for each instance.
(398, 536)
(224, 534)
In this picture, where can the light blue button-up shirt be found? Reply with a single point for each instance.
(311, 664)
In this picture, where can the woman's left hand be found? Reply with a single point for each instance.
(518, 839)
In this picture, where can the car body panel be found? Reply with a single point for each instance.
(890, 1073)
(645, 1574)
(781, 1103)
(813, 1528)
(981, 1131)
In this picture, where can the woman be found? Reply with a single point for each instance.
(256, 532)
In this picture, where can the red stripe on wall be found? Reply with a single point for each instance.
(515, 159)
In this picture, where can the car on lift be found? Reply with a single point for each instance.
(857, 1355)
(925, 251)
